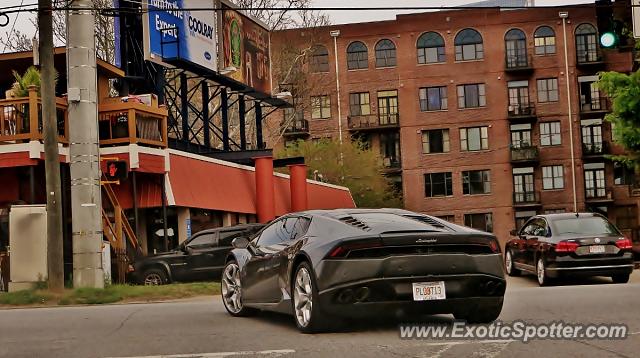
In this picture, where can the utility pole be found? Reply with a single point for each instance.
(86, 203)
(55, 265)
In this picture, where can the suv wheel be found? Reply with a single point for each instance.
(154, 277)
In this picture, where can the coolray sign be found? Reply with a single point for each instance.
(171, 33)
(245, 47)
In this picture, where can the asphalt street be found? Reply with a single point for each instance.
(201, 328)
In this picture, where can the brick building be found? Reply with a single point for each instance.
(470, 113)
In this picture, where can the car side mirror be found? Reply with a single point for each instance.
(513, 232)
(240, 243)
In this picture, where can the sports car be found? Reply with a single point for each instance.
(324, 265)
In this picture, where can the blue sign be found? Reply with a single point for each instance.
(188, 222)
(171, 33)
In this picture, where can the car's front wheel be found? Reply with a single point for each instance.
(306, 307)
(508, 264)
(231, 288)
(154, 277)
(623, 278)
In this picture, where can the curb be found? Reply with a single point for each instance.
(173, 300)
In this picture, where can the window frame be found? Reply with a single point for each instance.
(488, 221)
(424, 98)
(485, 181)
(390, 54)
(480, 89)
(554, 175)
(357, 59)
(422, 50)
(445, 143)
(550, 135)
(462, 44)
(321, 103)
(447, 183)
(546, 90)
(319, 62)
(483, 140)
(359, 105)
(545, 41)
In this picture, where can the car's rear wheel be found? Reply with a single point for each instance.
(154, 277)
(231, 288)
(482, 313)
(623, 278)
(306, 305)
(508, 264)
(541, 272)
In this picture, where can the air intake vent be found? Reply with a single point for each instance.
(355, 222)
(428, 220)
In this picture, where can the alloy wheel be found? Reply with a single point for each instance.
(540, 272)
(153, 279)
(303, 297)
(231, 288)
(508, 262)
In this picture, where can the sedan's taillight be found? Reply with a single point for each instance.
(624, 244)
(495, 246)
(343, 250)
(566, 246)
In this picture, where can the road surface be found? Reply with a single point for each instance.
(201, 328)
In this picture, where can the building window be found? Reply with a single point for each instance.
(586, 43)
(320, 107)
(522, 217)
(623, 175)
(590, 97)
(430, 48)
(594, 180)
(520, 135)
(518, 97)
(550, 133)
(435, 141)
(433, 98)
(545, 41)
(516, 45)
(592, 136)
(476, 182)
(359, 104)
(438, 184)
(388, 107)
(390, 149)
(468, 44)
(449, 218)
(471, 96)
(475, 138)
(357, 56)
(553, 177)
(548, 90)
(385, 53)
(482, 221)
(319, 61)
(523, 185)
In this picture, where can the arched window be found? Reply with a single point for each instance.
(319, 60)
(385, 53)
(516, 45)
(586, 43)
(357, 57)
(468, 43)
(430, 48)
(545, 41)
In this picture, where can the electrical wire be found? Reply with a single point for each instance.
(12, 28)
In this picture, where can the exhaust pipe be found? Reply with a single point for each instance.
(361, 294)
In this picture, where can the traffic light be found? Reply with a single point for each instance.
(607, 26)
(116, 170)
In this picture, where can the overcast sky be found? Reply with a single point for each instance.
(337, 17)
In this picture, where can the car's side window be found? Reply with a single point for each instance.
(526, 230)
(539, 228)
(271, 234)
(227, 236)
(287, 229)
(202, 241)
(301, 227)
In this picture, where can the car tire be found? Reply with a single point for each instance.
(154, 277)
(482, 313)
(231, 291)
(622, 278)
(541, 272)
(508, 264)
(307, 311)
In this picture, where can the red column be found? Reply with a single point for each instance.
(298, 186)
(265, 197)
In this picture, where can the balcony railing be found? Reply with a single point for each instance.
(521, 110)
(526, 198)
(123, 123)
(298, 127)
(392, 162)
(600, 104)
(525, 154)
(373, 122)
(589, 56)
(518, 63)
(599, 194)
(21, 119)
(595, 149)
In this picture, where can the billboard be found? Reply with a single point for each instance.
(245, 46)
(173, 34)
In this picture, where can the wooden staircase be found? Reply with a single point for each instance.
(118, 231)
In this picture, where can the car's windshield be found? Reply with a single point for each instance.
(584, 226)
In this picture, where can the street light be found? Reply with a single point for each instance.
(564, 15)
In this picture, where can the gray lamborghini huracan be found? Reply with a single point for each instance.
(324, 264)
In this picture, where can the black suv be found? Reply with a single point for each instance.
(200, 258)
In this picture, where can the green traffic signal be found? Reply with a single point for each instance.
(608, 39)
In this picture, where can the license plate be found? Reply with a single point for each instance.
(596, 249)
(426, 291)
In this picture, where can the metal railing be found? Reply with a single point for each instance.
(299, 126)
(526, 197)
(132, 123)
(372, 121)
(525, 154)
(589, 56)
(599, 194)
(521, 110)
(391, 162)
(596, 148)
(595, 105)
(518, 62)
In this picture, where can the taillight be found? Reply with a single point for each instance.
(566, 246)
(495, 247)
(624, 244)
(343, 250)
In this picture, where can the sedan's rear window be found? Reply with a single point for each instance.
(584, 226)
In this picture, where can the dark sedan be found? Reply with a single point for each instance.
(561, 245)
(200, 258)
(357, 263)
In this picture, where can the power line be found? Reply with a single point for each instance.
(12, 28)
